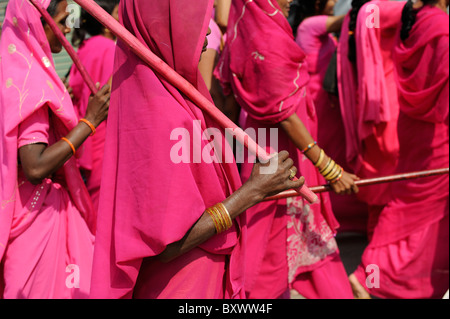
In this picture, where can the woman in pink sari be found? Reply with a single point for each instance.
(161, 194)
(96, 51)
(368, 97)
(410, 245)
(290, 243)
(314, 27)
(47, 223)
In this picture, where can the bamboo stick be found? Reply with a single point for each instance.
(367, 182)
(179, 82)
(65, 43)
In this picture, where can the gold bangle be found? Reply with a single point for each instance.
(227, 216)
(321, 157)
(335, 174)
(220, 218)
(70, 144)
(91, 126)
(215, 220)
(327, 167)
(331, 170)
(334, 181)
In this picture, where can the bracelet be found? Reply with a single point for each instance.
(338, 178)
(327, 167)
(70, 144)
(309, 147)
(221, 217)
(321, 157)
(91, 126)
(334, 173)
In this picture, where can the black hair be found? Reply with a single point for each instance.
(409, 15)
(51, 9)
(303, 9)
(89, 25)
(356, 6)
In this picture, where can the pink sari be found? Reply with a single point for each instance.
(46, 241)
(319, 47)
(266, 71)
(97, 55)
(148, 200)
(369, 101)
(411, 241)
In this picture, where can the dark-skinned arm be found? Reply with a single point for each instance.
(298, 133)
(258, 187)
(39, 161)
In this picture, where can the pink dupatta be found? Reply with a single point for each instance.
(148, 199)
(368, 96)
(29, 81)
(422, 75)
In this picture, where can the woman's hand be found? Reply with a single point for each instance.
(267, 179)
(273, 177)
(98, 107)
(346, 185)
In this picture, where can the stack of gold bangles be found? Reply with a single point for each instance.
(221, 217)
(332, 172)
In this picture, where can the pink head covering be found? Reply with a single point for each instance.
(266, 66)
(377, 101)
(149, 201)
(29, 81)
(426, 97)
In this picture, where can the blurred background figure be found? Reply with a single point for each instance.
(96, 51)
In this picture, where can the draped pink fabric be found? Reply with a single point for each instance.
(418, 212)
(368, 97)
(43, 228)
(97, 56)
(267, 72)
(319, 47)
(154, 188)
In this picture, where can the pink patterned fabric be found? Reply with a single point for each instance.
(149, 201)
(411, 237)
(97, 56)
(44, 232)
(267, 72)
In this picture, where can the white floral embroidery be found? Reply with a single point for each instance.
(308, 241)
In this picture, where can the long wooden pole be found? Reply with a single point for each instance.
(65, 43)
(179, 82)
(367, 182)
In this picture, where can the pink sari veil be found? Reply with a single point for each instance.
(149, 200)
(29, 81)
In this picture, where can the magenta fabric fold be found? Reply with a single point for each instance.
(368, 96)
(148, 200)
(97, 56)
(262, 58)
(422, 79)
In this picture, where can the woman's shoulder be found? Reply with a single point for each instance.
(314, 21)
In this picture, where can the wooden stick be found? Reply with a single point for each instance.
(179, 82)
(65, 43)
(367, 182)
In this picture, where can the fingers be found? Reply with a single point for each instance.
(296, 183)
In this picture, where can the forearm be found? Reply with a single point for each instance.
(205, 228)
(39, 161)
(300, 136)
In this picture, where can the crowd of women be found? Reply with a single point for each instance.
(94, 206)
